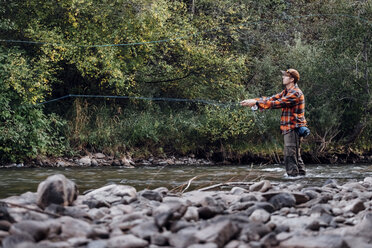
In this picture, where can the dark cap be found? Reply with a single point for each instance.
(292, 73)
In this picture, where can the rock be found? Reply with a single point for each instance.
(283, 200)
(97, 244)
(145, 230)
(237, 191)
(5, 225)
(160, 239)
(4, 214)
(269, 240)
(49, 244)
(184, 238)
(262, 186)
(37, 230)
(113, 193)
(152, 195)
(321, 241)
(260, 215)
(253, 231)
(16, 239)
(99, 155)
(56, 189)
(94, 163)
(355, 206)
(191, 214)
(368, 180)
(172, 210)
(126, 241)
(207, 245)
(85, 161)
(71, 227)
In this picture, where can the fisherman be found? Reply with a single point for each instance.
(292, 123)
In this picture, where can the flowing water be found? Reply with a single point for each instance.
(15, 181)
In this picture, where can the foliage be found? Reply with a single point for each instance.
(215, 50)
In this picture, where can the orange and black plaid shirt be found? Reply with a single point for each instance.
(292, 103)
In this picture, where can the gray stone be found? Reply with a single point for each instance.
(16, 239)
(99, 155)
(145, 230)
(85, 161)
(169, 211)
(56, 189)
(152, 195)
(126, 241)
(283, 200)
(219, 233)
(184, 238)
(37, 230)
(321, 241)
(160, 239)
(237, 191)
(97, 244)
(4, 225)
(207, 245)
(368, 180)
(50, 244)
(71, 227)
(355, 206)
(260, 215)
(253, 231)
(112, 193)
(191, 214)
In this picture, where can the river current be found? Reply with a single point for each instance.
(15, 181)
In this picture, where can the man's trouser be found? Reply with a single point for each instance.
(292, 156)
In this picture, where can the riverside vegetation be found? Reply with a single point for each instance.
(216, 50)
(260, 214)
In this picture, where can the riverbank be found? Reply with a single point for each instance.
(235, 214)
(100, 159)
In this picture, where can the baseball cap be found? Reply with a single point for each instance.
(292, 73)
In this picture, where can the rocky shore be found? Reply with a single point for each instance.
(100, 159)
(232, 215)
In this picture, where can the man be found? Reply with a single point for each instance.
(292, 102)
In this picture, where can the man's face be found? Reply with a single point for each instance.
(287, 79)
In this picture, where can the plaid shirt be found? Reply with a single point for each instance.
(292, 103)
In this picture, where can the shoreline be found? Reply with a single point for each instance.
(102, 160)
(238, 214)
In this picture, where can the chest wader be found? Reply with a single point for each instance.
(294, 164)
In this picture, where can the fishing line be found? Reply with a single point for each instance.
(209, 102)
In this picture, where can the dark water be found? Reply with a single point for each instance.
(16, 181)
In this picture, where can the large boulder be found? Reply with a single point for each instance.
(56, 189)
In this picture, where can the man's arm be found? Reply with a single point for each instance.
(288, 100)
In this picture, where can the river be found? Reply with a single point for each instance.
(15, 181)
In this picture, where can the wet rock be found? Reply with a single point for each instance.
(5, 225)
(126, 241)
(56, 189)
(283, 200)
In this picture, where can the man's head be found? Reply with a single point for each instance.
(290, 75)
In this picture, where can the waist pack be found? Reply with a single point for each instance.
(303, 131)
